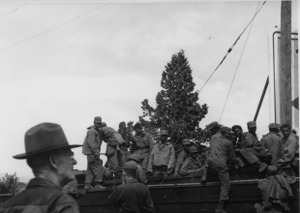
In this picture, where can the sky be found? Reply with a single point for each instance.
(66, 63)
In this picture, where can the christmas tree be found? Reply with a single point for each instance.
(176, 109)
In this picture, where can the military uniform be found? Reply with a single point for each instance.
(91, 148)
(290, 148)
(272, 144)
(143, 147)
(134, 160)
(220, 152)
(192, 165)
(113, 151)
(162, 158)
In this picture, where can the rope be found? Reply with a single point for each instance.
(236, 69)
(230, 49)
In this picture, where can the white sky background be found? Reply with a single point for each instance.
(108, 61)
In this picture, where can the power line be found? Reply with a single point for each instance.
(230, 49)
(14, 10)
(237, 68)
(42, 33)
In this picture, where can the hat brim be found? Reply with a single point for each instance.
(27, 155)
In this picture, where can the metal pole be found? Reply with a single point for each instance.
(261, 99)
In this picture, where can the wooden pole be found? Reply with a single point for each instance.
(285, 64)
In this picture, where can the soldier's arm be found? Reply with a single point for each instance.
(150, 163)
(289, 150)
(185, 169)
(149, 206)
(172, 158)
(179, 160)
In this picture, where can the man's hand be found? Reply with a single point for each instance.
(176, 175)
(170, 171)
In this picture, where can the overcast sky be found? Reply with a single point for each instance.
(66, 63)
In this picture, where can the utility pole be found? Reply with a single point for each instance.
(285, 64)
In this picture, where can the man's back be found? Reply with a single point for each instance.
(132, 197)
(40, 195)
(272, 144)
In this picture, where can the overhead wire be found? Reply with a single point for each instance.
(230, 49)
(237, 67)
(14, 10)
(42, 33)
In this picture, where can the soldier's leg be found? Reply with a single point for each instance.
(145, 162)
(112, 161)
(251, 155)
(89, 175)
(224, 189)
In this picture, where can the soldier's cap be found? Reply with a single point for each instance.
(193, 149)
(102, 125)
(226, 129)
(212, 125)
(164, 132)
(186, 141)
(236, 126)
(251, 124)
(272, 170)
(98, 120)
(135, 157)
(137, 126)
(42, 138)
(273, 126)
(128, 165)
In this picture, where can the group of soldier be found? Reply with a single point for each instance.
(228, 148)
(49, 155)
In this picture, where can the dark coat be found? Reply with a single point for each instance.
(41, 195)
(132, 197)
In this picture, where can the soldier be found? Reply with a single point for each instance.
(220, 152)
(91, 148)
(193, 163)
(126, 135)
(275, 191)
(48, 154)
(272, 143)
(162, 157)
(114, 141)
(250, 148)
(132, 196)
(290, 150)
(134, 160)
(182, 155)
(143, 145)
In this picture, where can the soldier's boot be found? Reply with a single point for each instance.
(88, 187)
(99, 187)
(221, 206)
(262, 166)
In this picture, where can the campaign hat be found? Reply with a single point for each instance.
(42, 138)
(98, 120)
(163, 132)
(273, 126)
(251, 124)
(226, 129)
(128, 165)
(193, 149)
(212, 125)
(135, 157)
(186, 141)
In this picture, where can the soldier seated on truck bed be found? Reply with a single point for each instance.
(193, 164)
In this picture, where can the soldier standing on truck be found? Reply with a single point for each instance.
(142, 144)
(220, 152)
(92, 148)
(162, 157)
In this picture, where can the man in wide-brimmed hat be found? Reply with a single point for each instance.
(49, 155)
